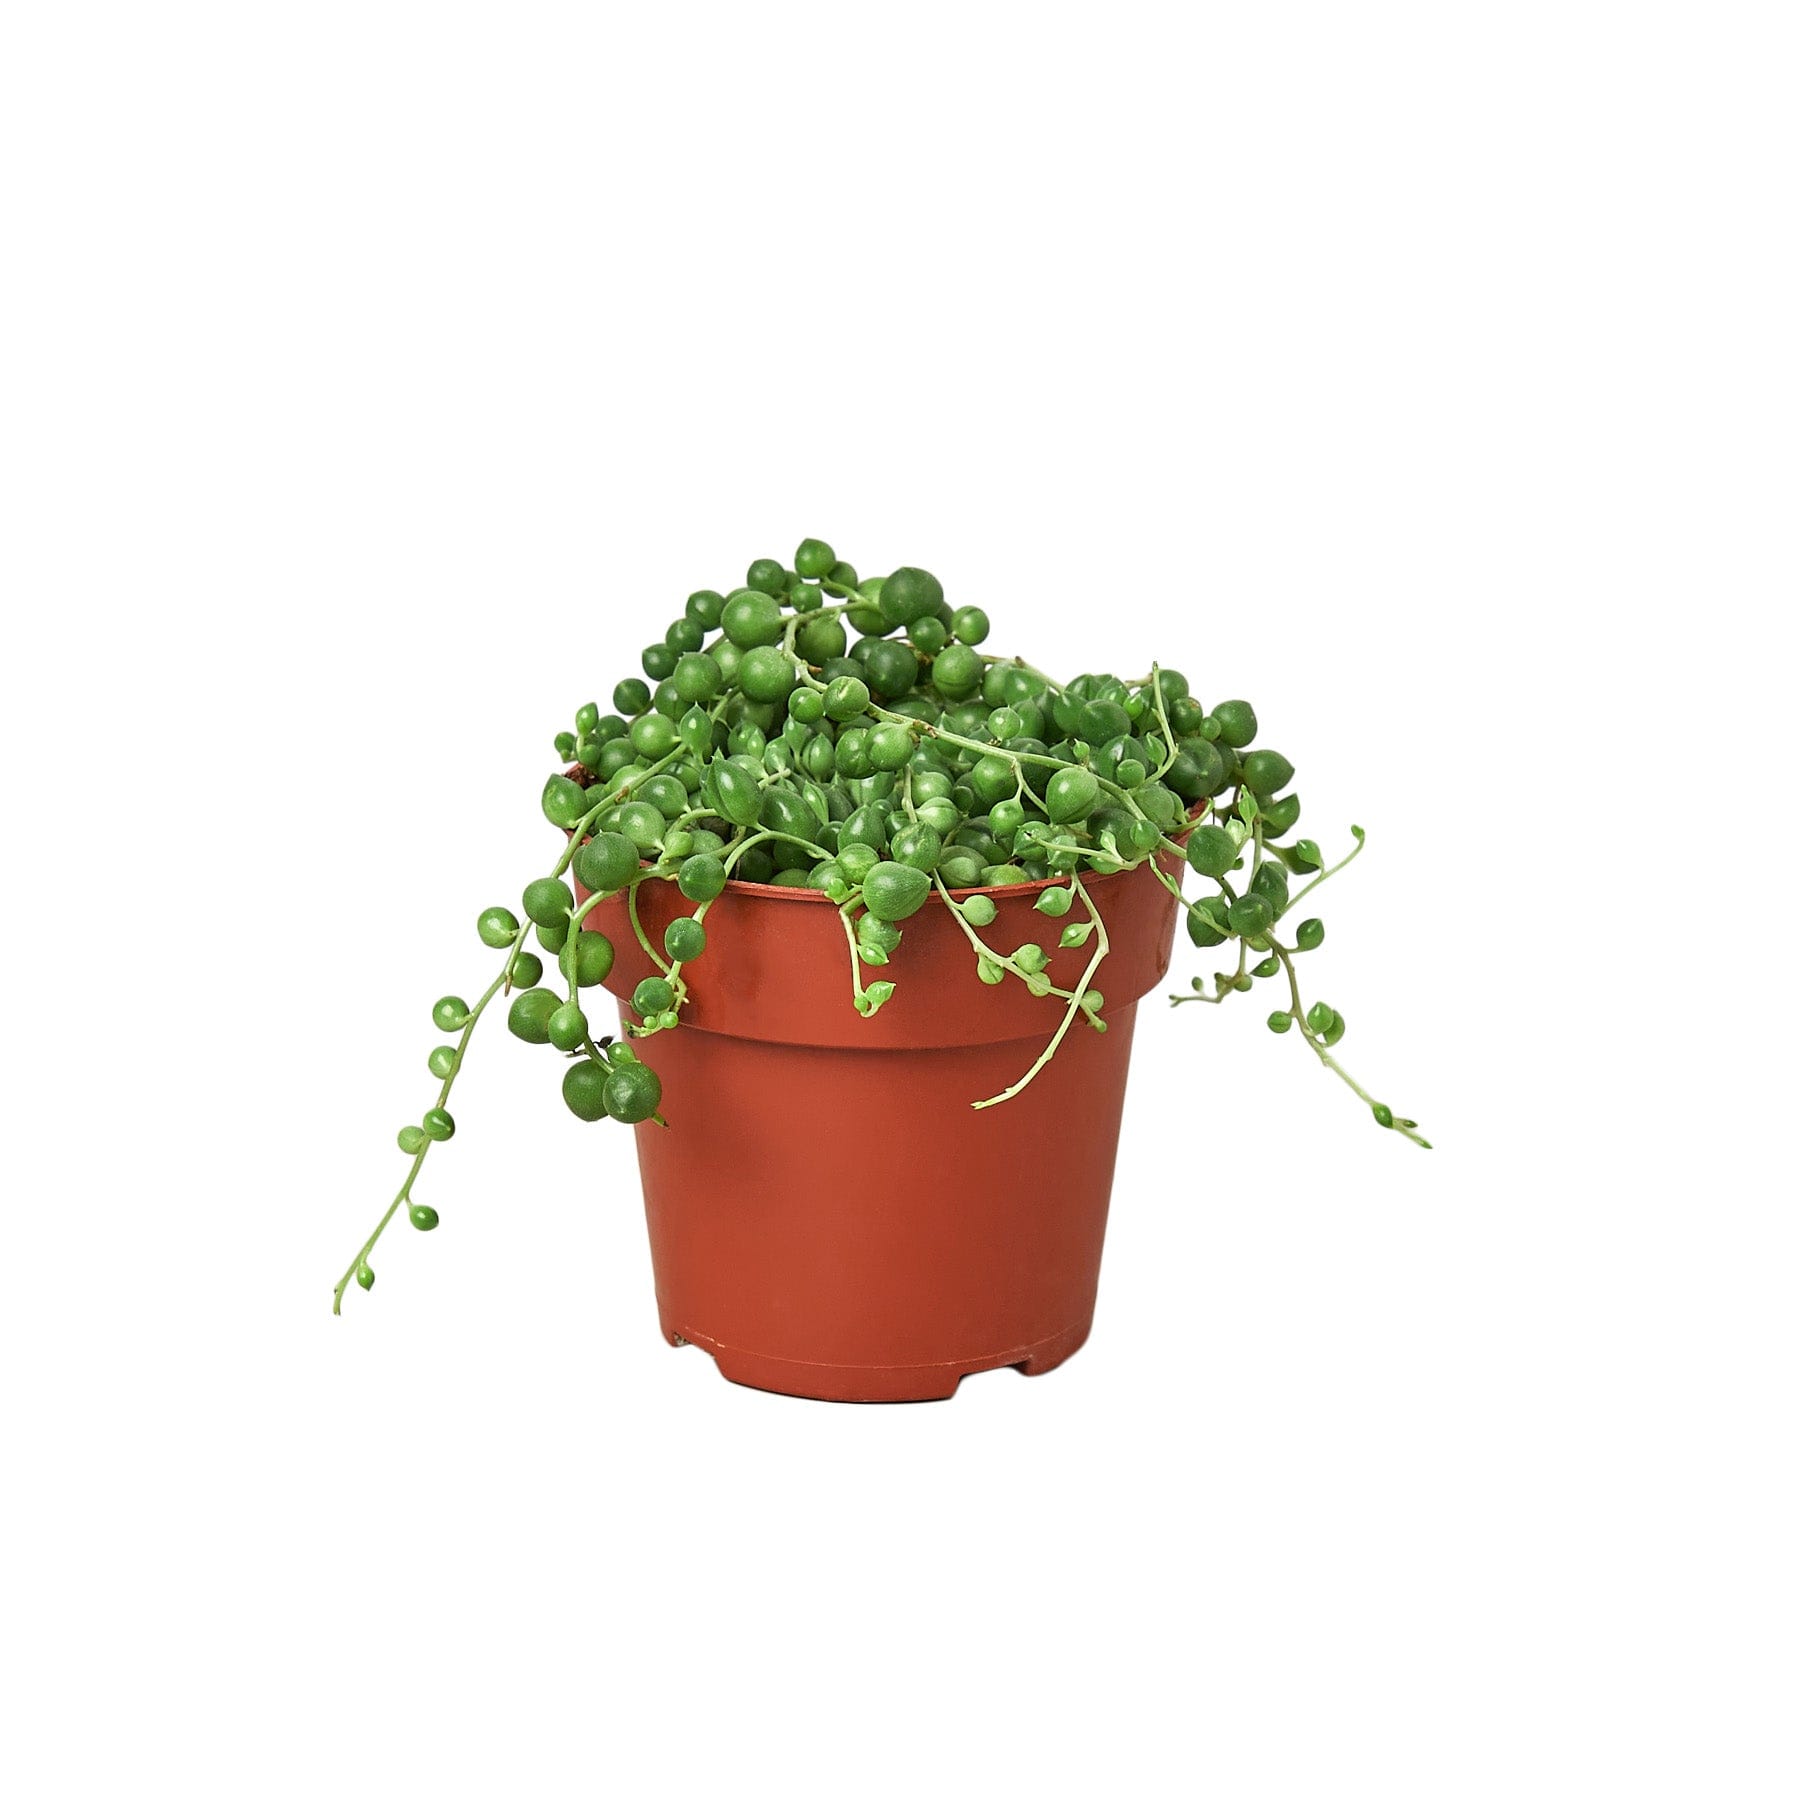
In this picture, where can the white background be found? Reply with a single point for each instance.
(378, 379)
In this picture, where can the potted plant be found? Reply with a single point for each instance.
(827, 849)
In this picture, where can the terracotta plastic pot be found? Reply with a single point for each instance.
(829, 1216)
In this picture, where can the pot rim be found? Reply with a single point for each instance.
(776, 891)
(769, 890)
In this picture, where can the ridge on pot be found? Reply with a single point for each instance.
(775, 967)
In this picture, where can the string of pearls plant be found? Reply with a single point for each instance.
(766, 743)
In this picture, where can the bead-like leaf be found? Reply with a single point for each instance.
(872, 930)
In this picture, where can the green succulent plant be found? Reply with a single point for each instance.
(814, 729)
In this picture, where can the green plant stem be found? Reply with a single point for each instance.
(1326, 874)
(1222, 984)
(1162, 715)
(1319, 1049)
(1173, 884)
(500, 981)
(763, 835)
(638, 931)
(671, 971)
(1003, 958)
(644, 874)
(856, 982)
(792, 629)
(580, 830)
(1102, 946)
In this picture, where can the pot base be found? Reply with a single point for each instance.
(858, 1382)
